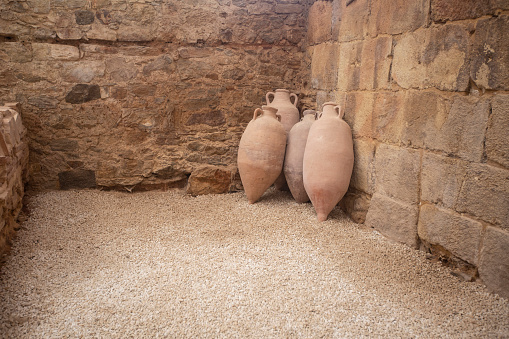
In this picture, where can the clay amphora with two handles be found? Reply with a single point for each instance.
(289, 116)
(295, 146)
(328, 160)
(261, 152)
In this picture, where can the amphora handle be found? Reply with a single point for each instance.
(293, 95)
(268, 95)
(341, 113)
(255, 115)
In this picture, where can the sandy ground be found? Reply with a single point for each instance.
(164, 264)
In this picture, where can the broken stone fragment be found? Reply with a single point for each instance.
(83, 93)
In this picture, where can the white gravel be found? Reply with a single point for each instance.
(164, 264)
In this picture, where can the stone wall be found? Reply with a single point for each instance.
(425, 88)
(13, 174)
(144, 94)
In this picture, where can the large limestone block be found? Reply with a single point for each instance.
(349, 66)
(456, 233)
(324, 66)
(490, 56)
(454, 126)
(319, 22)
(376, 63)
(394, 219)
(397, 173)
(363, 175)
(388, 110)
(448, 10)
(209, 180)
(354, 19)
(44, 51)
(359, 112)
(397, 16)
(485, 194)
(497, 135)
(435, 57)
(15, 52)
(494, 262)
(441, 179)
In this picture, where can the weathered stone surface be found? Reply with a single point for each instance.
(209, 180)
(349, 66)
(288, 8)
(497, 136)
(454, 126)
(324, 67)
(83, 93)
(458, 234)
(433, 58)
(490, 56)
(43, 101)
(363, 175)
(485, 194)
(83, 72)
(64, 145)
(397, 173)
(43, 51)
(397, 16)
(211, 118)
(449, 10)
(376, 63)
(394, 219)
(442, 179)
(101, 32)
(354, 19)
(162, 63)
(358, 108)
(15, 52)
(388, 109)
(120, 69)
(319, 22)
(494, 262)
(77, 178)
(84, 17)
(356, 205)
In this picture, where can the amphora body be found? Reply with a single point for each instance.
(328, 160)
(289, 116)
(295, 146)
(261, 152)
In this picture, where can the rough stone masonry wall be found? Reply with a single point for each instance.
(13, 171)
(143, 94)
(424, 85)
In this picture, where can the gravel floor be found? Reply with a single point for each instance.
(164, 264)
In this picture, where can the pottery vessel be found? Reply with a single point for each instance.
(328, 160)
(261, 152)
(282, 100)
(295, 146)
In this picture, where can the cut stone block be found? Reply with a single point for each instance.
(490, 56)
(397, 16)
(434, 57)
(449, 10)
(442, 179)
(397, 173)
(43, 51)
(394, 219)
(349, 66)
(494, 262)
(324, 66)
(354, 19)
(376, 63)
(458, 234)
(388, 123)
(319, 22)
(485, 194)
(363, 176)
(358, 113)
(497, 135)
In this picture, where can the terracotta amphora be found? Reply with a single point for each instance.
(261, 152)
(295, 146)
(328, 160)
(289, 116)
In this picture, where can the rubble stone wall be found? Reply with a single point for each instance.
(425, 88)
(13, 171)
(142, 94)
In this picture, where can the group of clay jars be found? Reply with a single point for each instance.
(313, 157)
